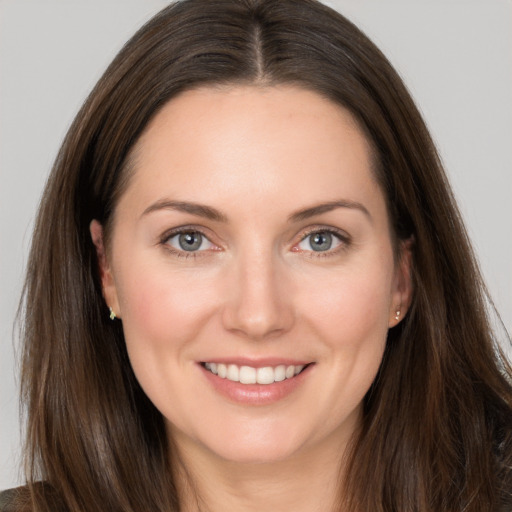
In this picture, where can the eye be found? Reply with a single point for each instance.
(321, 241)
(189, 241)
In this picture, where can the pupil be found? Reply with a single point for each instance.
(190, 241)
(321, 241)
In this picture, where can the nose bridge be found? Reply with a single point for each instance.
(258, 305)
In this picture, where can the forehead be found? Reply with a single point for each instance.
(246, 142)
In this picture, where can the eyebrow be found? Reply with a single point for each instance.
(200, 210)
(318, 209)
(210, 213)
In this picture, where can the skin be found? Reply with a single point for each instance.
(256, 288)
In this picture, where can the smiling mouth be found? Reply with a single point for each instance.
(250, 375)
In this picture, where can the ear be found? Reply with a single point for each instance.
(402, 286)
(107, 280)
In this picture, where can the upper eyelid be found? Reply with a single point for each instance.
(183, 229)
(304, 233)
(345, 240)
(178, 252)
(342, 234)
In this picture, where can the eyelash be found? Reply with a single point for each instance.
(166, 237)
(341, 236)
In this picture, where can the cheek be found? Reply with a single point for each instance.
(351, 317)
(162, 309)
(350, 313)
(351, 304)
(163, 313)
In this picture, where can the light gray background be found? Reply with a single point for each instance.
(455, 56)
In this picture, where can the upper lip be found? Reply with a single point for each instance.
(259, 362)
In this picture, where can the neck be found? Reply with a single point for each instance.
(307, 482)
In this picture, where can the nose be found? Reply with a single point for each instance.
(259, 302)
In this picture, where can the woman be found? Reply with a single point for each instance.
(250, 288)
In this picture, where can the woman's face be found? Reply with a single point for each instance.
(252, 267)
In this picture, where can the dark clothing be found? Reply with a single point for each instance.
(7, 499)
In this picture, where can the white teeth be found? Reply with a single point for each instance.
(233, 372)
(250, 375)
(212, 367)
(222, 370)
(265, 375)
(247, 375)
(280, 373)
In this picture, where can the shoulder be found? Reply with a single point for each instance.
(21, 499)
(14, 500)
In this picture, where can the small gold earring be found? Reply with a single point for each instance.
(397, 317)
(112, 314)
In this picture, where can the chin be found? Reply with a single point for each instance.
(256, 453)
(250, 443)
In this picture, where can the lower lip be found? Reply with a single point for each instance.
(256, 394)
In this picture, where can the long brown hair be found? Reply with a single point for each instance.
(437, 425)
